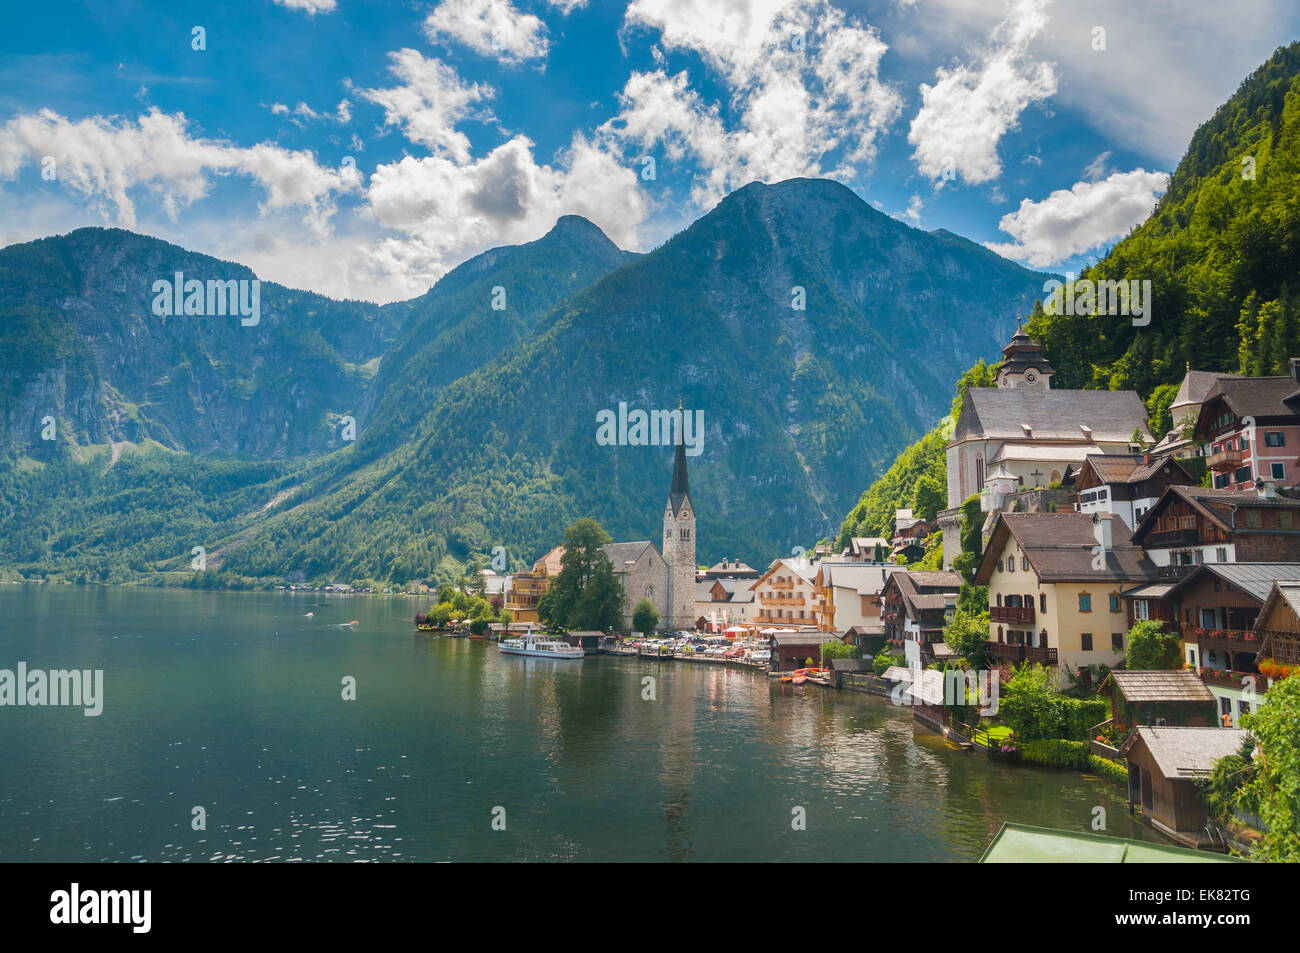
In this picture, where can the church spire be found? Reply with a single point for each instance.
(680, 488)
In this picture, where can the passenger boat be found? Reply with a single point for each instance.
(539, 646)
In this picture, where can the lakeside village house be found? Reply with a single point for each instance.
(1089, 524)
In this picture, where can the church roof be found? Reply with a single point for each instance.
(620, 554)
(995, 413)
(680, 489)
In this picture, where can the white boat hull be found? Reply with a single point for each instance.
(574, 652)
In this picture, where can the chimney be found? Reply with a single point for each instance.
(1295, 368)
(1264, 489)
(1101, 532)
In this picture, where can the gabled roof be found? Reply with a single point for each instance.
(1258, 397)
(1254, 579)
(620, 554)
(867, 545)
(1217, 506)
(803, 638)
(925, 588)
(1285, 592)
(1195, 385)
(1186, 752)
(730, 567)
(551, 562)
(737, 590)
(805, 570)
(1160, 686)
(865, 580)
(1133, 468)
(1061, 547)
(998, 414)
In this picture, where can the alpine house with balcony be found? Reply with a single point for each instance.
(1190, 525)
(1252, 428)
(1055, 581)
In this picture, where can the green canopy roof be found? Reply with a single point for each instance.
(1022, 844)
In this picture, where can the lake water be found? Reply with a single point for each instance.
(233, 702)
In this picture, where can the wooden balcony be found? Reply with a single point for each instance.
(1171, 537)
(783, 600)
(1022, 653)
(1231, 678)
(1015, 614)
(777, 584)
(1224, 460)
(769, 619)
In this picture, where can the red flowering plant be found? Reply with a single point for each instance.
(1275, 669)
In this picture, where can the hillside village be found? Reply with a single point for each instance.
(1070, 529)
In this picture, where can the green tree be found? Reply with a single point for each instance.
(834, 650)
(967, 634)
(586, 594)
(1275, 786)
(645, 617)
(1151, 647)
(980, 375)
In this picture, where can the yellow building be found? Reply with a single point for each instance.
(1054, 589)
(527, 588)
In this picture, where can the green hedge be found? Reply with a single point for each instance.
(1056, 753)
(1048, 715)
(1077, 755)
(1108, 769)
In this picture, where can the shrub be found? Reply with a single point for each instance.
(1056, 753)
(1108, 769)
(882, 662)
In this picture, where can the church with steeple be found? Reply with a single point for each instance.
(667, 579)
(1024, 434)
(679, 548)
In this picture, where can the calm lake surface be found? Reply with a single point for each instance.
(233, 702)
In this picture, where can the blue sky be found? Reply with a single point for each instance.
(362, 149)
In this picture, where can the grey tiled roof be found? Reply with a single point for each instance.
(1254, 579)
(998, 413)
(622, 553)
(1255, 396)
(1187, 752)
(1061, 546)
(1195, 385)
(1161, 686)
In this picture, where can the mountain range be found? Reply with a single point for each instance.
(817, 335)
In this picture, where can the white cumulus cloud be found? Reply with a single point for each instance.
(430, 102)
(312, 7)
(489, 27)
(965, 114)
(447, 211)
(1079, 219)
(111, 162)
(804, 92)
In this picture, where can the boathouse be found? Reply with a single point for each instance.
(1155, 697)
(792, 650)
(1163, 766)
